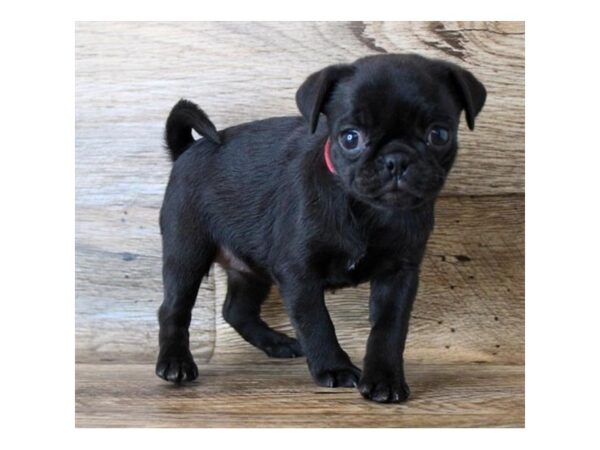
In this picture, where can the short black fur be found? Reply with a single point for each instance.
(258, 199)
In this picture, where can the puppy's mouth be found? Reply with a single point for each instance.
(396, 193)
(400, 186)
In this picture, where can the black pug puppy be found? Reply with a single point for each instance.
(345, 200)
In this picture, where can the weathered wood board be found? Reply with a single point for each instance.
(470, 305)
(281, 394)
(129, 75)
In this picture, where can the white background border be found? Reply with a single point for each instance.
(562, 225)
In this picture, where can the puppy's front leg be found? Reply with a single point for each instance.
(391, 301)
(329, 365)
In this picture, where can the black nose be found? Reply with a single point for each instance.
(395, 163)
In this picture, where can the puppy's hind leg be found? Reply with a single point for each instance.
(187, 257)
(245, 295)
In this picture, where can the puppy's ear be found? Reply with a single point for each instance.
(471, 91)
(313, 93)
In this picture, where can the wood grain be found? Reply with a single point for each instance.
(129, 75)
(470, 305)
(281, 394)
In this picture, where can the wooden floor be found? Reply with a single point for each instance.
(465, 349)
(279, 393)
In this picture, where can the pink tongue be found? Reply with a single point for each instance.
(327, 152)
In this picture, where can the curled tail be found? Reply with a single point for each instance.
(184, 116)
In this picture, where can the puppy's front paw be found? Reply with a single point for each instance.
(346, 376)
(384, 387)
(177, 365)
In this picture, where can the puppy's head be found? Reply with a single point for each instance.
(393, 123)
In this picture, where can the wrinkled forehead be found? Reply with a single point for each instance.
(396, 97)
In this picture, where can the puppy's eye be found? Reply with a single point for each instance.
(438, 136)
(352, 141)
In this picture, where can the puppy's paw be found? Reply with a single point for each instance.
(283, 347)
(347, 376)
(177, 365)
(383, 387)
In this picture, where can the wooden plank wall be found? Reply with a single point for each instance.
(128, 76)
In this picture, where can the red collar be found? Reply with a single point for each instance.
(327, 153)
